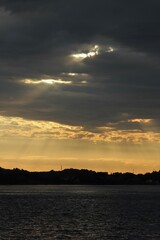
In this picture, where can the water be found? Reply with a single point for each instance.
(80, 212)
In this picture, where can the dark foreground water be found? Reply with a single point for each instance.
(79, 212)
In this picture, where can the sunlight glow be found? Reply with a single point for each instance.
(43, 145)
(140, 120)
(84, 82)
(73, 74)
(110, 49)
(46, 81)
(91, 53)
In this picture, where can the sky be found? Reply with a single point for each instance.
(79, 85)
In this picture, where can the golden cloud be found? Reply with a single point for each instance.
(15, 126)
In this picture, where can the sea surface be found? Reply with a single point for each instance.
(80, 212)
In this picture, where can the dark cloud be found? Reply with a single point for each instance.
(37, 39)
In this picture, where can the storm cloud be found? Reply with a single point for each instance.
(83, 63)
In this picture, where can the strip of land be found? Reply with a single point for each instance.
(76, 176)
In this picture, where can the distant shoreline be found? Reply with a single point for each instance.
(75, 177)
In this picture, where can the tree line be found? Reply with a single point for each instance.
(76, 176)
